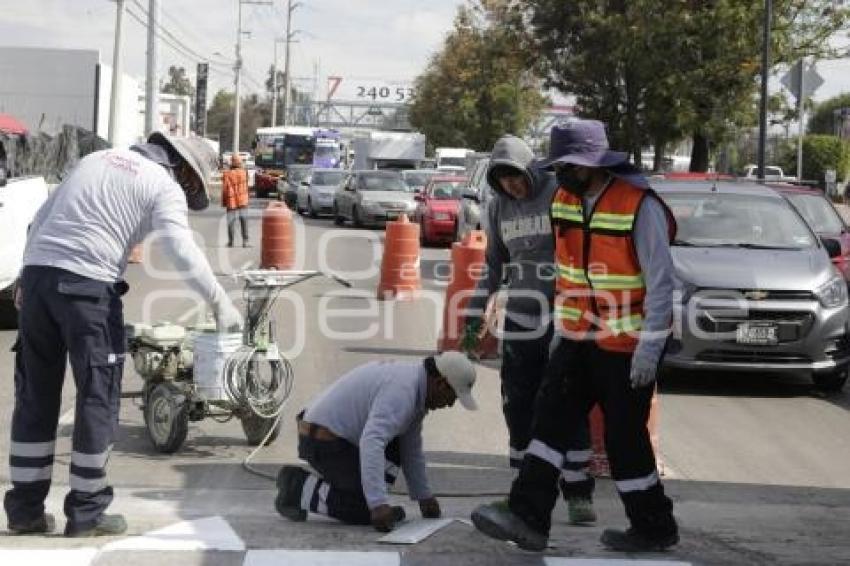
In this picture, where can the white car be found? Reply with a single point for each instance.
(316, 195)
(20, 199)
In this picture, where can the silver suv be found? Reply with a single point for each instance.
(757, 291)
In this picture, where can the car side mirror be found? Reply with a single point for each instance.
(419, 197)
(832, 247)
(471, 195)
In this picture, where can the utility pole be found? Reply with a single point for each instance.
(765, 72)
(115, 98)
(152, 85)
(238, 69)
(274, 83)
(290, 7)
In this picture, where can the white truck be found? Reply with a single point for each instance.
(452, 159)
(388, 150)
(771, 173)
(20, 199)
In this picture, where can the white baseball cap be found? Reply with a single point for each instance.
(460, 373)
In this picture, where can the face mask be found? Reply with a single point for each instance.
(569, 179)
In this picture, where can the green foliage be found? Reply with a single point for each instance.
(178, 83)
(656, 71)
(255, 113)
(477, 88)
(822, 120)
(822, 152)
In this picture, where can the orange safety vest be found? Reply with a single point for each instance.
(234, 188)
(600, 288)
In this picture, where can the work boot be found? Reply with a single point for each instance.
(580, 510)
(246, 244)
(290, 482)
(107, 526)
(229, 244)
(633, 541)
(40, 525)
(497, 522)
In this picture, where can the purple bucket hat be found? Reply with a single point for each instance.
(582, 142)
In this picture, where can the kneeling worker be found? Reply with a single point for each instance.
(359, 431)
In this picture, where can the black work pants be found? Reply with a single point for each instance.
(338, 490)
(65, 317)
(525, 358)
(580, 375)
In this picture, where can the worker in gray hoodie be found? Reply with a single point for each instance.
(520, 255)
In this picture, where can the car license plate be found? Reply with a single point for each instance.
(757, 333)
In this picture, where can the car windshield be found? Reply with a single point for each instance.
(417, 179)
(442, 190)
(383, 183)
(820, 215)
(328, 177)
(297, 174)
(737, 220)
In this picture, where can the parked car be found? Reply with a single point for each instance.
(416, 179)
(771, 173)
(757, 289)
(287, 185)
(822, 217)
(372, 197)
(316, 196)
(437, 209)
(476, 195)
(20, 199)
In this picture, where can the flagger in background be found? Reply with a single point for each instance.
(70, 308)
(521, 252)
(362, 430)
(613, 312)
(234, 198)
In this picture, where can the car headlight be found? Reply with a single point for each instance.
(833, 293)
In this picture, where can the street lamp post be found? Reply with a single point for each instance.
(290, 7)
(274, 82)
(765, 72)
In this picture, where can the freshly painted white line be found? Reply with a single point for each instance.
(415, 531)
(209, 533)
(550, 561)
(320, 558)
(74, 557)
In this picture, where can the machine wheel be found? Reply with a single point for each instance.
(256, 428)
(310, 210)
(831, 382)
(338, 220)
(166, 417)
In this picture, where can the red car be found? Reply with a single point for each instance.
(822, 218)
(437, 209)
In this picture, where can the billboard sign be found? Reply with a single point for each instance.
(346, 89)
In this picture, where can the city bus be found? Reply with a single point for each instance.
(329, 147)
(275, 149)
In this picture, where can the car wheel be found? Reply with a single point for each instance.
(423, 241)
(355, 217)
(338, 220)
(310, 210)
(832, 382)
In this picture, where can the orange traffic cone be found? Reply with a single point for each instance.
(400, 278)
(599, 459)
(278, 240)
(136, 254)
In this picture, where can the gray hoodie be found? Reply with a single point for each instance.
(520, 248)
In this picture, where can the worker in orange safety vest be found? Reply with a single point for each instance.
(234, 198)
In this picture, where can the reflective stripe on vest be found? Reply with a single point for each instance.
(568, 212)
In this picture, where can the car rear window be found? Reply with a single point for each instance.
(327, 177)
(383, 183)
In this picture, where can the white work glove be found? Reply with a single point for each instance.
(227, 318)
(644, 369)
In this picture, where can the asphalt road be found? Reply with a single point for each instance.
(745, 456)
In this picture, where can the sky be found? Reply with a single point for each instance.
(363, 41)
(384, 41)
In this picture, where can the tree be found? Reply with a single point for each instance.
(255, 113)
(476, 88)
(178, 83)
(656, 70)
(823, 120)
